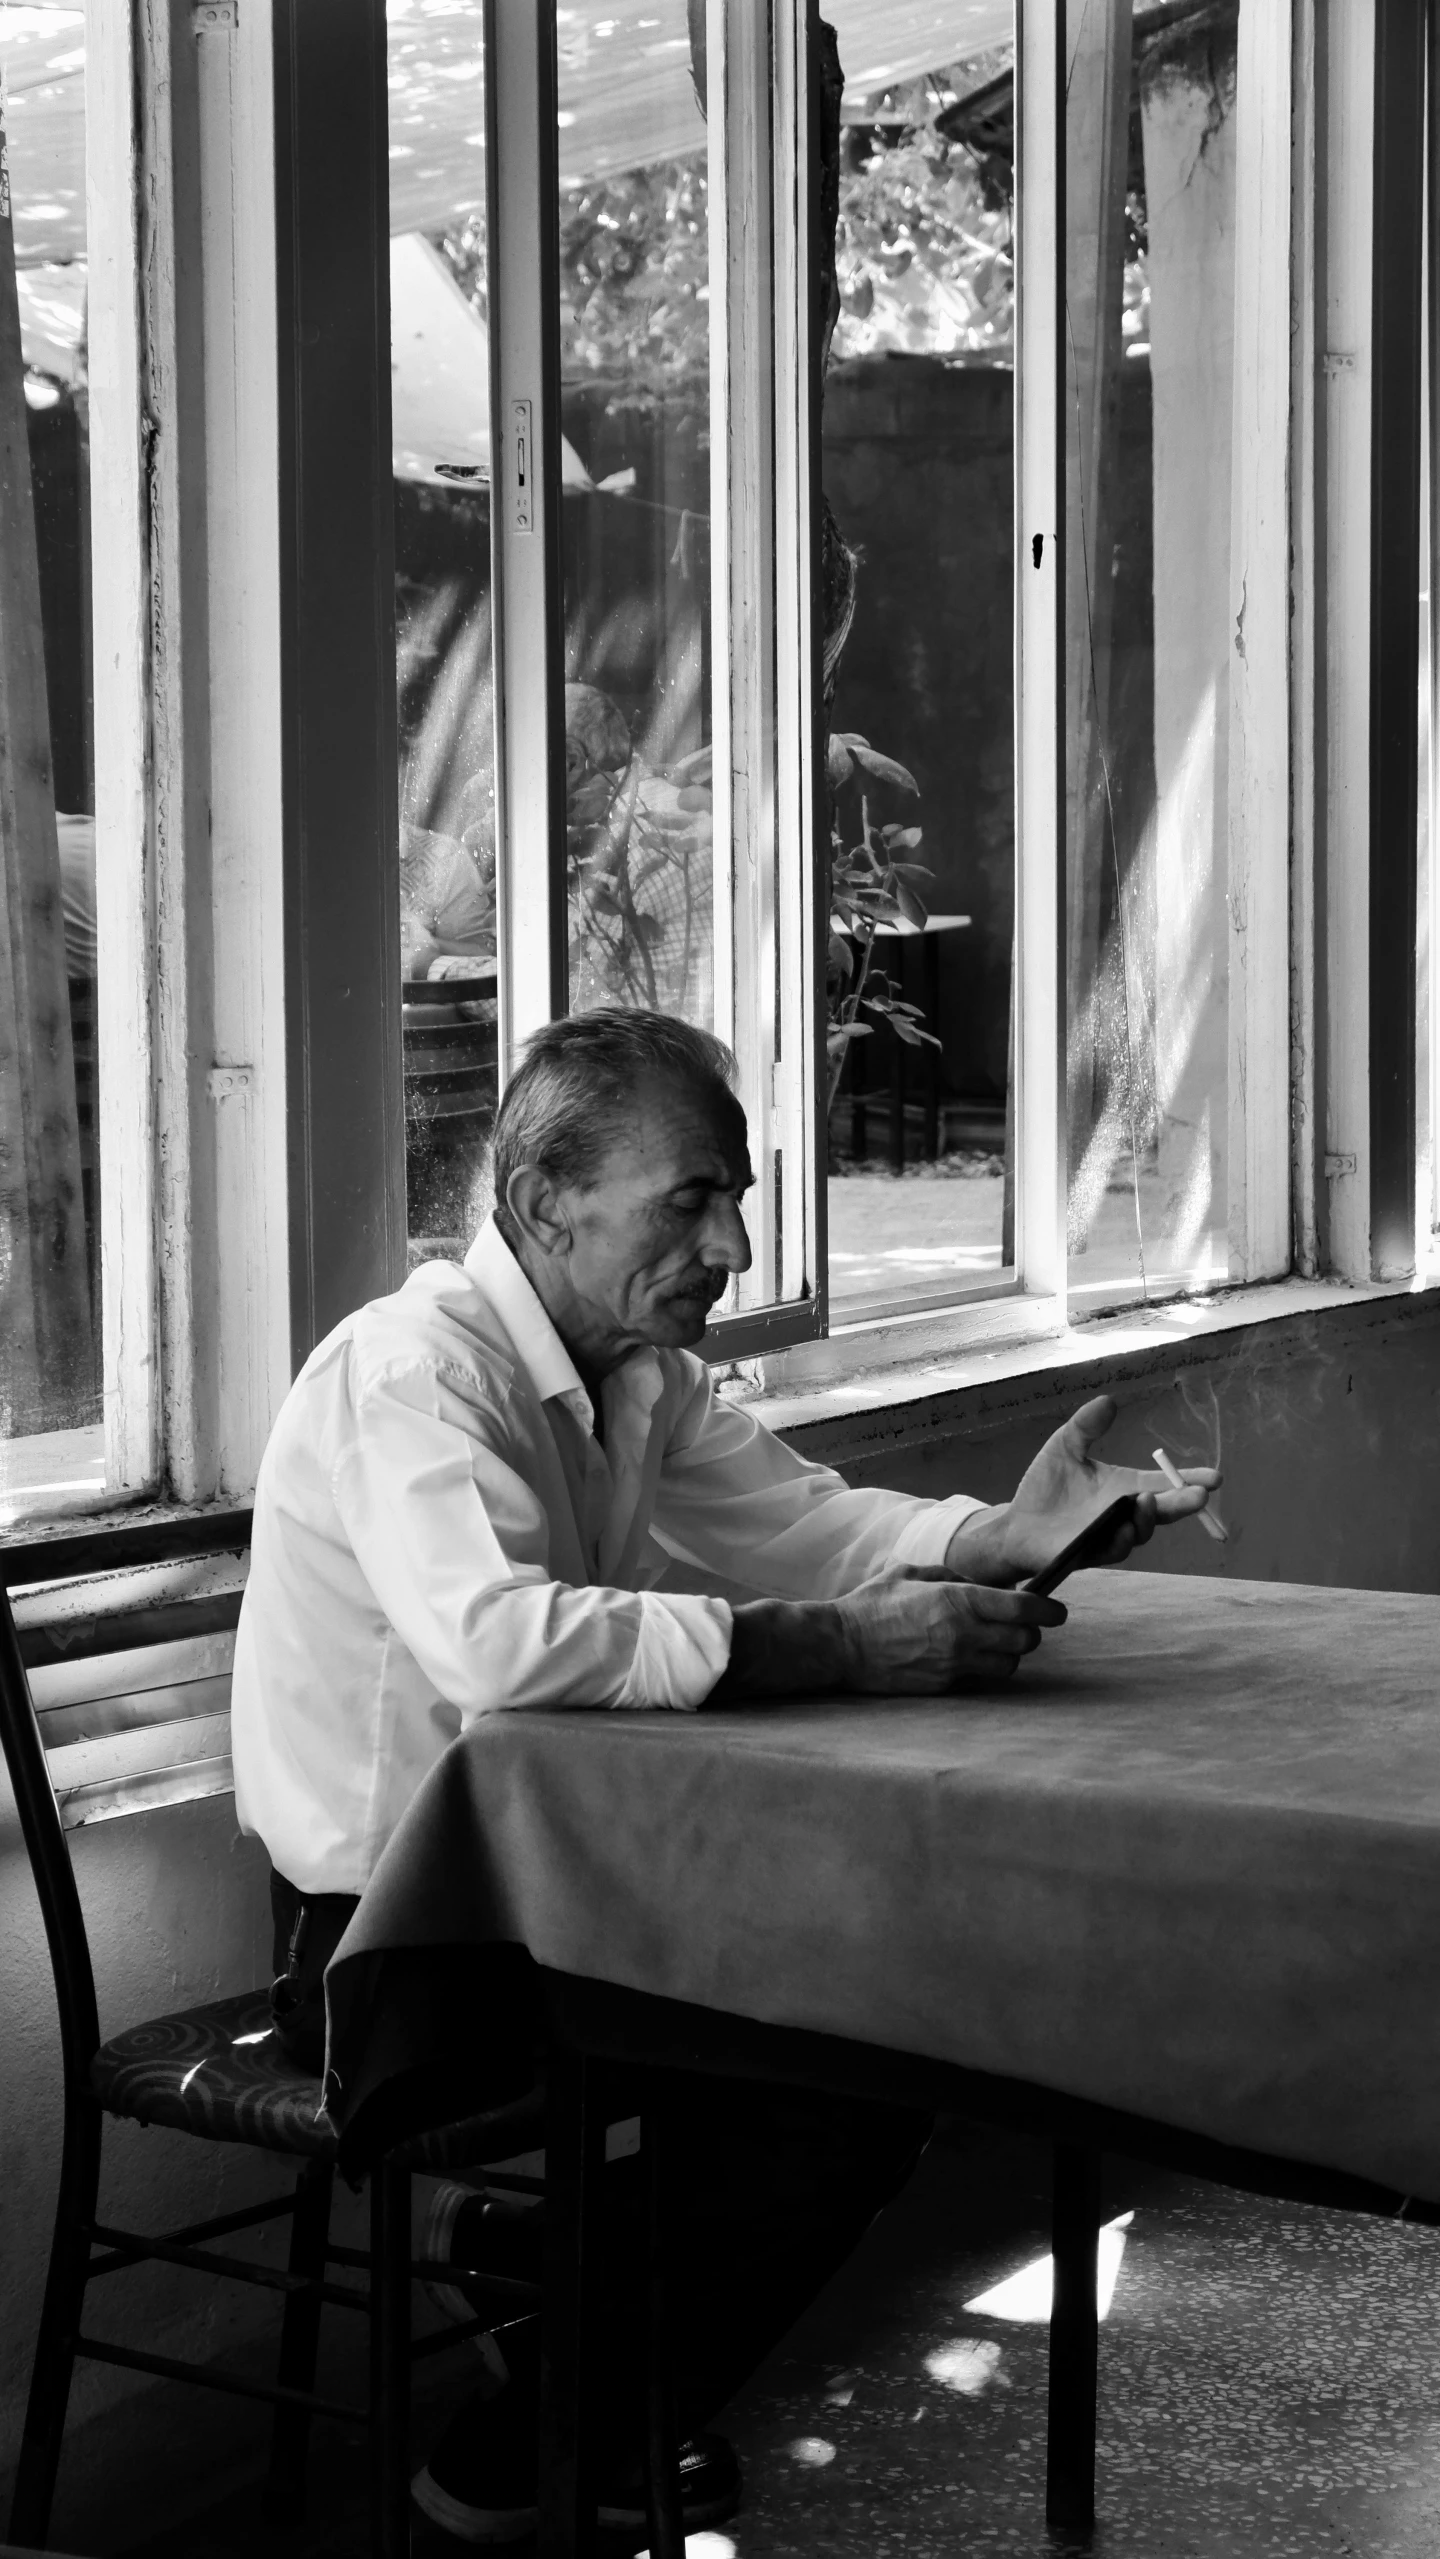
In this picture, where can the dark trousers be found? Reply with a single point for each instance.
(308, 1927)
(770, 2191)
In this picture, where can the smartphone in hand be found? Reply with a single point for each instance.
(1085, 1549)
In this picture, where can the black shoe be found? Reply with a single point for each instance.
(480, 2482)
(710, 2487)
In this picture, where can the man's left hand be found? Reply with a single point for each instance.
(1059, 1494)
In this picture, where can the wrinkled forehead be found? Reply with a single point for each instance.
(667, 1133)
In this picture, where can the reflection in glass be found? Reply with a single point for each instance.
(440, 402)
(50, 1314)
(918, 473)
(635, 407)
(1150, 278)
(635, 477)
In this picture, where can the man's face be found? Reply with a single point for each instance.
(655, 1239)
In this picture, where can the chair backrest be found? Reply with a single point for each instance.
(34, 1566)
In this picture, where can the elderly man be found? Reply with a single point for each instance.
(513, 1484)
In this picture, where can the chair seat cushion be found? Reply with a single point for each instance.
(217, 2071)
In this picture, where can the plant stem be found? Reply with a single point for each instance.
(850, 1004)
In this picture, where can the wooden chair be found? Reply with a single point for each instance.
(214, 2072)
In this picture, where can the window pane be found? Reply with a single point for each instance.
(50, 1375)
(635, 412)
(440, 392)
(1427, 939)
(918, 448)
(1150, 280)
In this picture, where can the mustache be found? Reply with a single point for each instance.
(711, 1285)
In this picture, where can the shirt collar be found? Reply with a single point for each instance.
(497, 1274)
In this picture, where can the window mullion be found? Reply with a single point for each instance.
(522, 195)
(1040, 1122)
(799, 1118)
(1395, 627)
(1258, 903)
(124, 898)
(1341, 581)
(1307, 736)
(743, 591)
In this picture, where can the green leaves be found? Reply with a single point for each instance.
(846, 750)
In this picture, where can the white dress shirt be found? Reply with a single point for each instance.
(439, 1534)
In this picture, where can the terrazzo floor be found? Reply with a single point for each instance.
(1270, 2385)
(1269, 2379)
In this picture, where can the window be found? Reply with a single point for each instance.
(51, 1315)
(636, 456)
(595, 814)
(443, 444)
(1176, 854)
(918, 457)
(956, 635)
(937, 1123)
(147, 1082)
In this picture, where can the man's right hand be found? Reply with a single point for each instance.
(907, 1633)
(917, 1633)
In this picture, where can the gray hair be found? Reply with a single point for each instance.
(561, 1107)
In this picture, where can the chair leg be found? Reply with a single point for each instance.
(574, 2169)
(284, 2500)
(1074, 2341)
(662, 2434)
(390, 2360)
(59, 2326)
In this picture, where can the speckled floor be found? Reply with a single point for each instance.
(1270, 2385)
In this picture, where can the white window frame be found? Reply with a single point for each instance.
(184, 542)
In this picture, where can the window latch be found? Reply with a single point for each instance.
(522, 517)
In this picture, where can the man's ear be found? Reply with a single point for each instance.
(534, 1203)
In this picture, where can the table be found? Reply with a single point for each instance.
(1176, 1890)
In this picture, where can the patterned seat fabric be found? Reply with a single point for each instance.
(217, 2071)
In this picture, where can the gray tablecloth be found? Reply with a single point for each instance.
(1187, 1865)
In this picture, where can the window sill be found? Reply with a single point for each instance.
(902, 1368)
(53, 1475)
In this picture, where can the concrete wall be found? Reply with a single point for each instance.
(1327, 1427)
(177, 1909)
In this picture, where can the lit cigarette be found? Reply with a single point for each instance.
(1213, 1527)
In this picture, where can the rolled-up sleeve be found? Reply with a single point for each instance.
(455, 1547)
(736, 1502)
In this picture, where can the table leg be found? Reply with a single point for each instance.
(390, 2360)
(1074, 2340)
(662, 2443)
(574, 2171)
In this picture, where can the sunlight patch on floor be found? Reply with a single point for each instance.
(1029, 2294)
